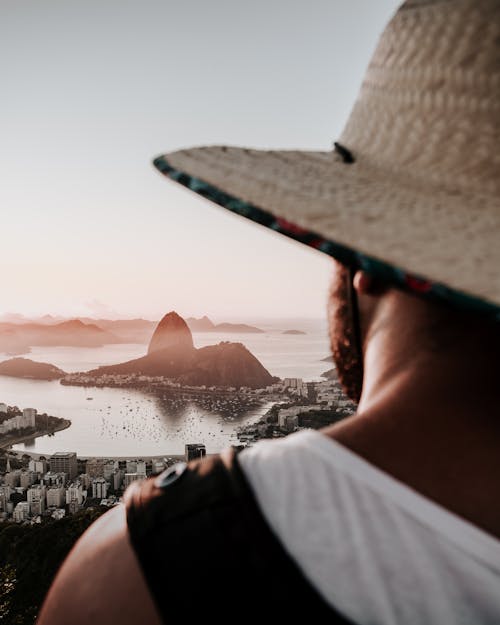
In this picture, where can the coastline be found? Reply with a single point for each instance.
(259, 419)
(7, 442)
(36, 455)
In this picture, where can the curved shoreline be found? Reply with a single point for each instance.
(16, 440)
(257, 419)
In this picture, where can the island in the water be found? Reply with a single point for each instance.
(293, 332)
(171, 354)
(19, 338)
(26, 368)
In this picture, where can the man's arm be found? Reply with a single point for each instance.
(100, 582)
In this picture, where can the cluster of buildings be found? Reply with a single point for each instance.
(63, 484)
(12, 419)
(288, 418)
(46, 487)
(327, 395)
(299, 404)
(136, 379)
(327, 392)
(113, 379)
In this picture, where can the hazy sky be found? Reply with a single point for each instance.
(93, 90)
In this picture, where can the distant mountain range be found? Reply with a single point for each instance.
(204, 324)
(19, 338)
(171, 353)
(18, 334)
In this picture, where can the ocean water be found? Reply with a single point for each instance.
(119, 422)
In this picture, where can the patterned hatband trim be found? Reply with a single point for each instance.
(346, 255)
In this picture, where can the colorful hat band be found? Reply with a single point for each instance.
(346, 255)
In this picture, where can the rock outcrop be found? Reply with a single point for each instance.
(227, 364)
(171, 354)
(171, 332)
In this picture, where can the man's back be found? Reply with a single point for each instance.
(376, 550)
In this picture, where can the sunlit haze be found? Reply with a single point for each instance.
(92, 91)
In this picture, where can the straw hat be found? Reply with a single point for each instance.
(411, 191)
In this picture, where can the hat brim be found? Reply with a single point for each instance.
(419, 238)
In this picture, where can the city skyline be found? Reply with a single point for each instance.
(93, 92)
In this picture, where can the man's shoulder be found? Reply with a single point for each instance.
(103, 554)
(181, 490)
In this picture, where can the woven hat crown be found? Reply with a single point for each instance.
(429, 104)
(411, 193)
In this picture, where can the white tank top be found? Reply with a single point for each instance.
(375, 549)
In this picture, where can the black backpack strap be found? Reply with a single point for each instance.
(205, 547)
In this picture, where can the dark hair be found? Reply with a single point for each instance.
(345, 332)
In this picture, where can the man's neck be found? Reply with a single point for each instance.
(430, 419)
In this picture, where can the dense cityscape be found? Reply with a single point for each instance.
(50, 494)
(35, 488)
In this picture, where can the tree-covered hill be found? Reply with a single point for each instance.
(30, 556)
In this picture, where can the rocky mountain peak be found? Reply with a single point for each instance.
(172, 331)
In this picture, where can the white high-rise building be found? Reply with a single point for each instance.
(141, 467)
(5, 492)
(7, 425)
(54, 479)
(38, 466)
(13, 478)
(27, 478)
(117, 479)
(132, 477)
(99, 488)
(21, 512)
(3, 408)
(56, 496)
(131, 466)
(74, 492)
(26, 419)
(36, 499)
(29, 415)
(109, 469)
(297, 383)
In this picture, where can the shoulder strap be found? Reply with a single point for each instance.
(204, 545)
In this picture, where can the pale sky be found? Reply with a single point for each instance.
(93, 90)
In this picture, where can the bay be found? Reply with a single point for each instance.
(124, 422)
